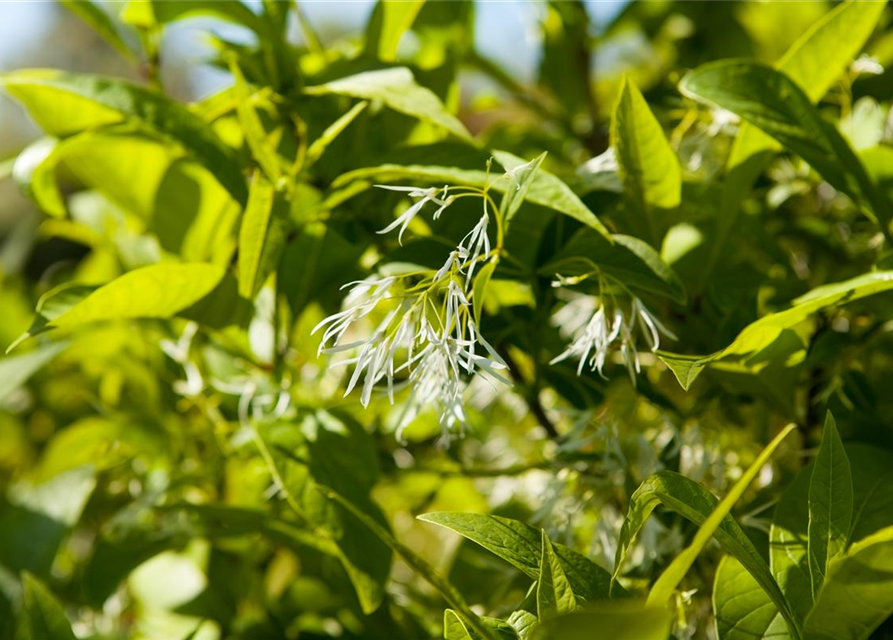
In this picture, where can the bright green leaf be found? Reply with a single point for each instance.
(262, 148)
(15, 370)
(35, 173)
(390, 20)
(64, 103)
(695, 503)
(648, 166)
(397, 89)
(673, 575)
(261, 237)
(760, 334)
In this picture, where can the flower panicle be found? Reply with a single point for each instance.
(595, 331)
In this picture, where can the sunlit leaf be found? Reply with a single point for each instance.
(858, 592)
(63, 104)
(647, 164)
(742, 607)
(762, 333)
(15, 370)
(390, 20)
(397, 89)
(673, 575)
(695, 503)
(261, 238)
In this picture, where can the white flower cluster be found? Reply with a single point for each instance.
(428, 339)
(596, 331)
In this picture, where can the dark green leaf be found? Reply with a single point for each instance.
(520, 545)
(44, 616)
(830, 504)
(774, 103)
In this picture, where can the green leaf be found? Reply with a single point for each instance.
(455, 629)
(554, 594)
(872, 470)
(761, 334)
(35, 173)
(814, 62)
(513, 198)
(830, 504)
(671, 577)
(15, 370)
(420, 566)
(858, 592)
(181, 201)
(101, 22)
(166, 11)
(390, 20)
(479, 291)
(44, 616)
(648, 166)
(397, 89)
(695, 503)
(741, 607)
(633, 262)
(604, 621)
(35, 518)
(64, 103)
(259, 142)
(547, 189)
(332, 453)
(261, 237)
(318, 146)
(774, 103)
(523, 622)
(155, 291)
(520, 545)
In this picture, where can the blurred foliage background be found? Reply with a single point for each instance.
(151, 488)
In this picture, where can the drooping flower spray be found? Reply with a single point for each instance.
(428, 339)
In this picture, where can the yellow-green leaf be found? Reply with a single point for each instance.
(397, 89)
